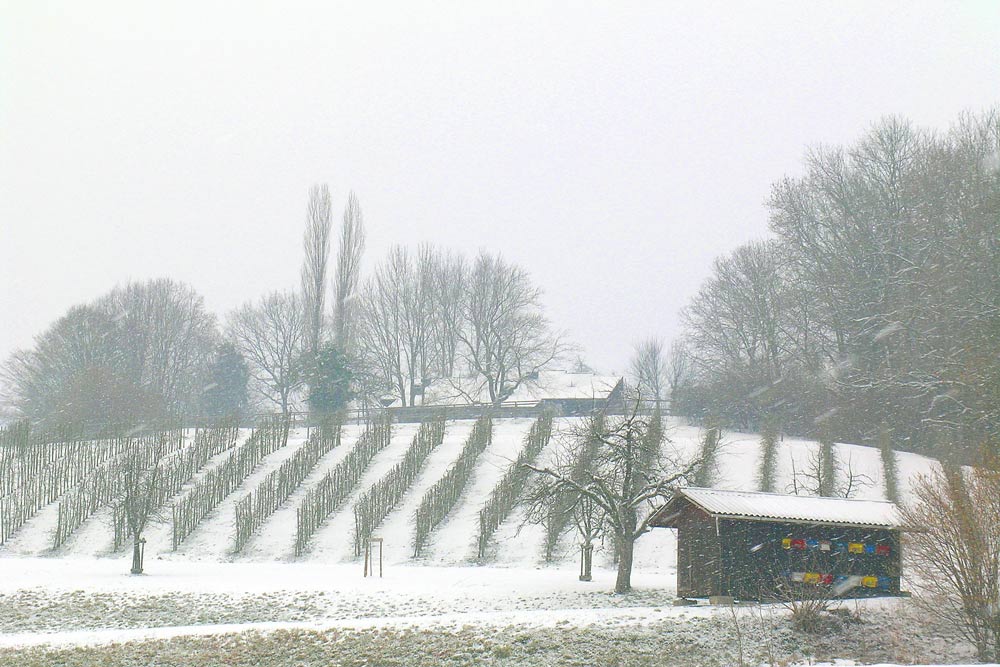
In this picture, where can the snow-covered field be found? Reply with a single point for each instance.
(510, 609)
(454, 541)
(87, 611)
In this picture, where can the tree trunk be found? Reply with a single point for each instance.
(626, 547)
(137, 556)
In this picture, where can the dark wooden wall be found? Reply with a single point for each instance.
(747, 559)
(699, 556)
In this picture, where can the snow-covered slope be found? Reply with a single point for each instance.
(397, 529)
(213, 538)
(455, 540)
(335, 540)
(275, 540)
(515, 544)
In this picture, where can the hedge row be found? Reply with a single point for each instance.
(21, 455)
(177, 469)
(324, 498)
(210, 490)
(505, 494)
(441, 497)
(47, 483)
(106, 482)
(262, 502)
(376, 503)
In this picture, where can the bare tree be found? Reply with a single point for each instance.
(823, 475)
(316, 244)
(648, 367)
(348, 272)
(449, 276)
(140, 475)
(140, 353)
(737, 334)
(504, 338)
(271, 334)
(625, 480)
(588, 517)
(678, 365)
(398, 321)
(955, 552)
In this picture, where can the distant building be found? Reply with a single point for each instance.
(562, 392)
(573, 391)
(753, 546)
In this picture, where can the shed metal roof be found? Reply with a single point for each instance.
(754, 506)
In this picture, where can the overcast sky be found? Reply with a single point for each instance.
(613, 150)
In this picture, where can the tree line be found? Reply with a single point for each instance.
(873, 310)
(150, 353)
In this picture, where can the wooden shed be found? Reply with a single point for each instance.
(750, 546)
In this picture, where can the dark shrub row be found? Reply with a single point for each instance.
(379, 500)
(441, 497)
(324, 498)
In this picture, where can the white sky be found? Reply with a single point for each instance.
(612, 149)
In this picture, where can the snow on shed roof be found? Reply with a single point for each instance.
(754, 506)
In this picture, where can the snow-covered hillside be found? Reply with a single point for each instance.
(515, 544)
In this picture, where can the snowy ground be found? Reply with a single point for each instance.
(81, 611)
(203, 605)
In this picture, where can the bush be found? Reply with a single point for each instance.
(767, 475)
(709, 454)
(954, 552)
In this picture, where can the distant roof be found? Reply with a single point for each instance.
(550, 385)
(781, 507)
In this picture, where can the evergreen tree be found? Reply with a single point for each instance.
(330, 379)
(228, 374)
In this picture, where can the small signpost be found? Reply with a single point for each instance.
(586, 559)
(369, 561)
(138, 555)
